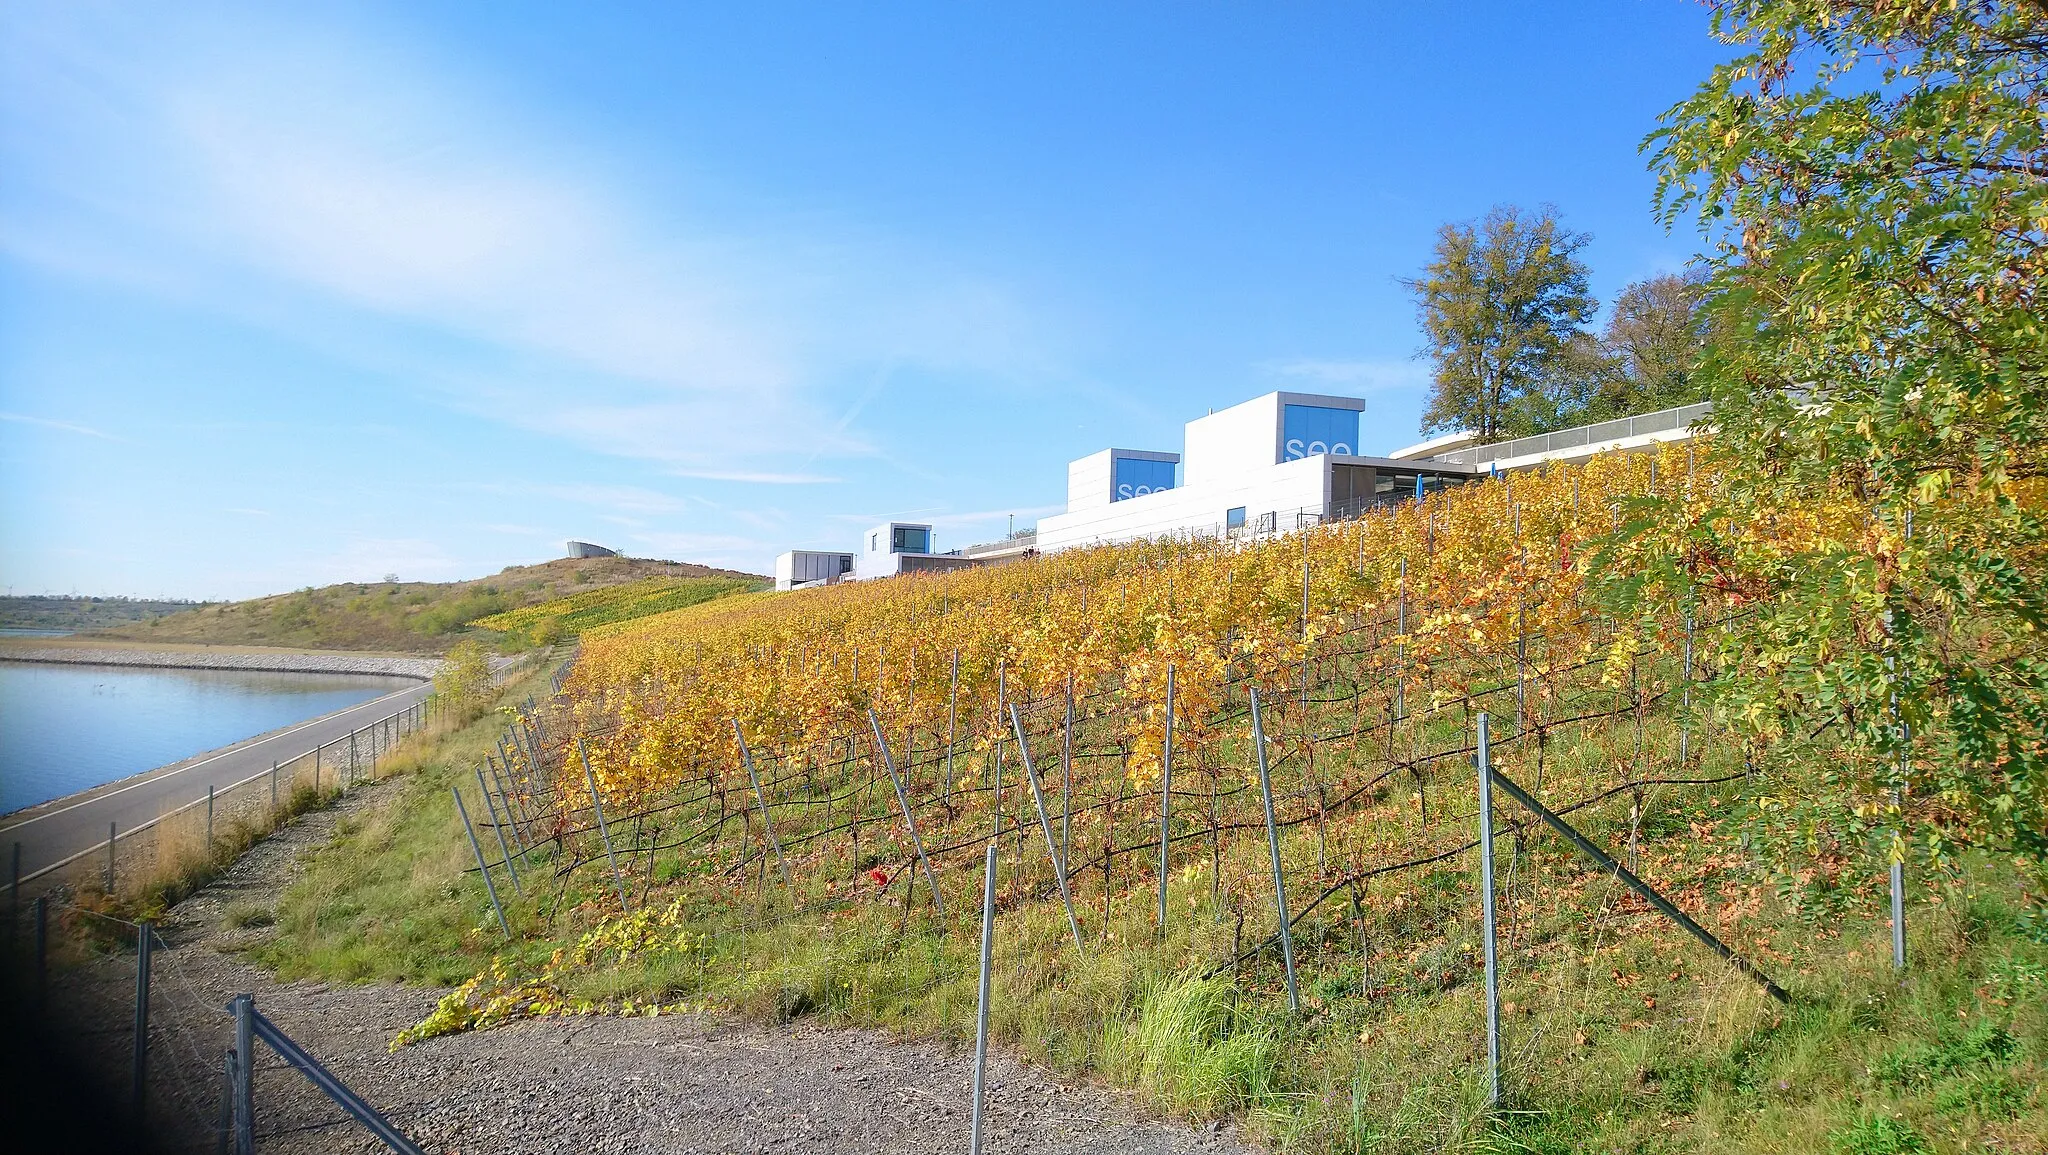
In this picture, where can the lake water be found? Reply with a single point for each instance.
(65, 728)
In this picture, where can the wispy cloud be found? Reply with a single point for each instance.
(60, 426)
(1366, 376)
(620, 498)
(282, 169)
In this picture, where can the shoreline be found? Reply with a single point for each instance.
(420, 669)
(19, 817)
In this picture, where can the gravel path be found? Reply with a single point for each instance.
(228, 659)
(680, 1083)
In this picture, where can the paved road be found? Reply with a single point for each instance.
(55, 831)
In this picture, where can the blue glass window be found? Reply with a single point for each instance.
(1234, 519)
(1136, 477)
(910, 539)
(1306, 430)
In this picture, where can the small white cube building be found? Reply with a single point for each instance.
(802, 568)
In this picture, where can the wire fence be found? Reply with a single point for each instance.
(870, 810)
(220, 820)
(142, 1010)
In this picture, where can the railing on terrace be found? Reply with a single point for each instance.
(1681, 417)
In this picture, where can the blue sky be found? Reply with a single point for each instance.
(294, 294)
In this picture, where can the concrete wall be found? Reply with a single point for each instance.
(1088, 481)
(1225, 446)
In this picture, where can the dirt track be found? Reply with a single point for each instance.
(677, 1084)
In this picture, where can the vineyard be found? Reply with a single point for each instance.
(783, 803)
(567, 617)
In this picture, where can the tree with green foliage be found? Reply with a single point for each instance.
(464, 681)
(1872, 178)
(1650, 350)
(1500, 303)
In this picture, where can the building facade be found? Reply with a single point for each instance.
(1265, 466)
(1286, 460)
(801, 568)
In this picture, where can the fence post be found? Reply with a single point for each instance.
(42, 906)
(209, 818)
(1486, 918)
(1059, 863)
(110, 858)
(273, 785)
(1273, 844)
(498, 828)
(244, 1083)
(902, 799)
(224, 1127)
(525, 837)
(1166, 794)
(1067, 775)
(490, 888)
(597, 808)
(144, 933)
(1606, 862)
(761, 800)
(1401, 639)
(988, 933)
(952, 704)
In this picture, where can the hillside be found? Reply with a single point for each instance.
(43, 612)
(1373, 648)
(422, 617)
(552, 621)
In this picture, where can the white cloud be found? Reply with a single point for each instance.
(313, 175)
(623, 498)
(1368, 376)
(60, 426)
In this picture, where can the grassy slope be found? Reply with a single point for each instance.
(41, 612)
(402, 616)
(1620, 1035)
(567, 617)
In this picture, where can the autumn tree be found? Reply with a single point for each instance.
(1500, 303)
(1872, 180)
(1656, 333)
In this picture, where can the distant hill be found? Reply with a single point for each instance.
(414, 617)
(564, 618)
(39, 612)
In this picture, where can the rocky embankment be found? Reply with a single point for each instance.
(230, 659)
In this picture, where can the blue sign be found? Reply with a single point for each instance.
(1136, 477)
(1306, 430)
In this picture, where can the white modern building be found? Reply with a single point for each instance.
(1285, 460)
(1268, 465)
(895, 547)
(802, 568)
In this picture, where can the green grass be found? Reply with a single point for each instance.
(388, 898)
(416, 617)
(1620, 1033)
